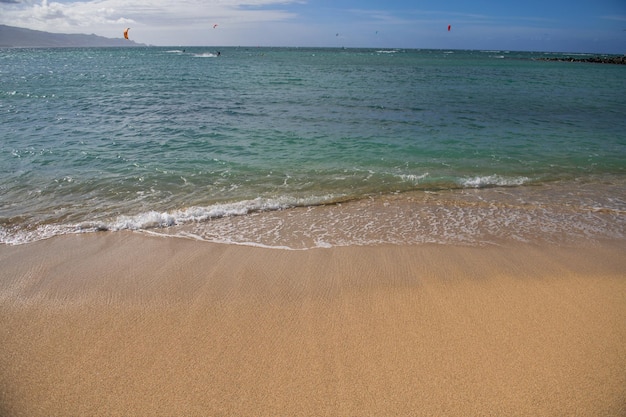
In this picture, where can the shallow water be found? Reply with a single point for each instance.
(393, 146)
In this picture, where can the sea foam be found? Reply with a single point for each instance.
(492, 181)
(155, 219)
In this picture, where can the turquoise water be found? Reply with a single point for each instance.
(167, 140)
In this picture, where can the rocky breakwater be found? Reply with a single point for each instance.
(594, 59)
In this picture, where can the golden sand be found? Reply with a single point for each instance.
(123, 324)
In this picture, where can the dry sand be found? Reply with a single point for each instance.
(123, 324)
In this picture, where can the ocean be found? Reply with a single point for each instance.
(301, 148)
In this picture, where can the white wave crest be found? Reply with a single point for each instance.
(154, 219)
(492, 181)
(205, 55)
(413, 177)
(20, 237)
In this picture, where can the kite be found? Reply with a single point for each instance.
(126, 33)
(214, 26)
(449, 27)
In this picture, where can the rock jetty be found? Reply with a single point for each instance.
(594, 59)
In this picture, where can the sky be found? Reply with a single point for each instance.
(585, 26)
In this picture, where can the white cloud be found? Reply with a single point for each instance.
(619, 18)
(298, 23)
(104, 17)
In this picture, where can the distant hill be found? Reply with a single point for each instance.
(13, 37)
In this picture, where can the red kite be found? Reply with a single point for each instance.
(126, 33)
(449, 27)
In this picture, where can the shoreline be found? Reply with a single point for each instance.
(550, 213)
(127, 324)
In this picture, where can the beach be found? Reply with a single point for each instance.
(121, 324)
(311, 232)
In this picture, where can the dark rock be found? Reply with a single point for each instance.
(620, 60)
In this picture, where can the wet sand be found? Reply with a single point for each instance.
(124, 324)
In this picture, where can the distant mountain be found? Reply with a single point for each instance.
(14, 37)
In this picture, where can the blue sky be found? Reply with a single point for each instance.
(596, 26)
